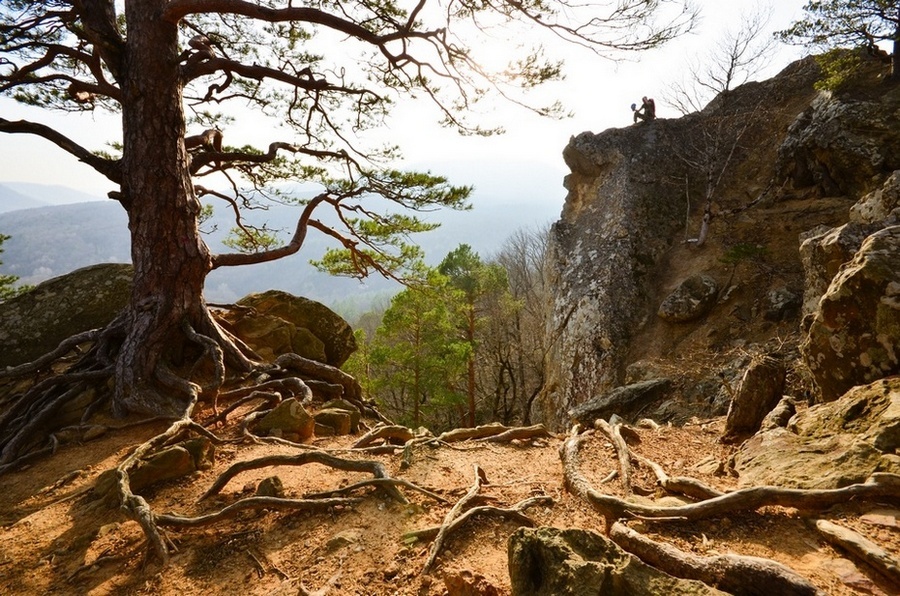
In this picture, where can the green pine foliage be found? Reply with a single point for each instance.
(415, 362)
(832, 24)
(8, 288)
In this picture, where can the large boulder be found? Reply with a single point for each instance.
(570, 562)
(627, 401)
(36, 322)
(854, 336)
(828, 445)
(760, 391)
(276, 322)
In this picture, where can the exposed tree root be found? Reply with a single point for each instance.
(373, 467)
(682, 485)
(385, 432)
(514, 513)
(135, 506)
(862, 548)
(377, 482)
(622, 452)
(494, 432)
(614, 508)
(330, 374)
(735, 574)
(66, 346)
(274, 503)
(459, 507)
(461, 512)
(34, 410)
(464, 434)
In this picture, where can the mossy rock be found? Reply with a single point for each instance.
(36, 322)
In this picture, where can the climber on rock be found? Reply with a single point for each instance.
(646, 112)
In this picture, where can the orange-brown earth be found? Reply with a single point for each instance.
(57, 538)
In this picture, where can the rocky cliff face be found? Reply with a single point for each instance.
(771, 161)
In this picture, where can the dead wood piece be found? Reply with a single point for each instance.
(878, 486)
(462, 504)
(861, 548)
(537, 431)
(259, 503)
(376, 482)
(464, 434)
(515, 513)
(385, 432)
(736, 574)
(649, 423)
(622, 451)
(319, 457)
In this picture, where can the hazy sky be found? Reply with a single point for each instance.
(528, 157)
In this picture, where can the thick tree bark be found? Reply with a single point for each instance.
(170, 259)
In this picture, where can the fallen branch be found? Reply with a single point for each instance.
(735, 574)
(612, 508)
(454, 512)
(521, 433)
(373, 467)
(861, 548)
(464, 434)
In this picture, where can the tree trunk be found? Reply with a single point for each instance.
(895, 57)
(470, 368)
(170, 259)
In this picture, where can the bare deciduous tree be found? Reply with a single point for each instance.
(738, 55)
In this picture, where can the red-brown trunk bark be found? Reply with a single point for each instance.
(170, 259)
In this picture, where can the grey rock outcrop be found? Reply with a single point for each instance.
(627, 401)
(854, 336)
(559, 562)
(624, 211)
(36, 322)
(842, 147)
(823, 251)
(693, 298)
(828, 445)
(879, 205)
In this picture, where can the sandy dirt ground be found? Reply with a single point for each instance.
(57, 537)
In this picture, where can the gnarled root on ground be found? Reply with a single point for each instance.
(734, 574)
(612, 508)
(860, 548)
(682, 485)
(461, 512)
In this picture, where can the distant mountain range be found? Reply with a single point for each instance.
(27, 195)
(55, 230)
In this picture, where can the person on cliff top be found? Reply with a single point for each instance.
(646, 112)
